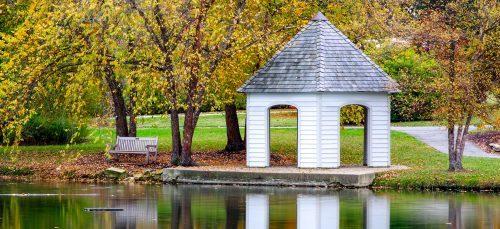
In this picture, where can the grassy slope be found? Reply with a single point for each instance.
(428, 165)
(429, 168)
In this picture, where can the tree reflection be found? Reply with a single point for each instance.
(454, 214)
(181, 210)
(233, 211)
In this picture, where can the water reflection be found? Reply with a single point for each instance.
(318, 211)
(163, 206)
(257, 211)
(138, 211)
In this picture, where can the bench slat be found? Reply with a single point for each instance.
(129, 144)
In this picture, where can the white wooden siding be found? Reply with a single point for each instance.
(318, 140)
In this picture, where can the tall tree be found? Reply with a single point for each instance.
(164, 23)
(190, 40)
(461, 36)
(104, 45)
(272, 25)
(206, 43)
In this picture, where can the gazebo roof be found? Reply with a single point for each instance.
(320, 59)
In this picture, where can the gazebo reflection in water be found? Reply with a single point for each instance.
(320, 211)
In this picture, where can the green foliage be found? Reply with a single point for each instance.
(414, 72)
(12, 14)
(352, 115)
(12, 171)
(42, 130)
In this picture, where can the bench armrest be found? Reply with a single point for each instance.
(152, 148)
(110, 146)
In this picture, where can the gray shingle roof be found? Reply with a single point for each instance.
(320, 59)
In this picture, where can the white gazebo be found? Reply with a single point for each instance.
(319, 71)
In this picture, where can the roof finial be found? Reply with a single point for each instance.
(319, 17)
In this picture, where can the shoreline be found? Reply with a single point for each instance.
(159, 181)
(428, 168)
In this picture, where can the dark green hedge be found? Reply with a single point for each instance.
(40, 130)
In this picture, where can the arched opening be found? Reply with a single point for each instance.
(354, 135)
(283, 130)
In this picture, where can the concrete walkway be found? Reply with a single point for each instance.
(437, 137)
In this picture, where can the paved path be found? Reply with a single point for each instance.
(437, 137)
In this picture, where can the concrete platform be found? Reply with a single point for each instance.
(275, 176)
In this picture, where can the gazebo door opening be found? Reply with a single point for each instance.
(354, 135)
(283, 132)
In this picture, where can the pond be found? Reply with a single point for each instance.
(61, 205)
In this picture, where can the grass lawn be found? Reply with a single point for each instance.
(282, 118)
(428, 167)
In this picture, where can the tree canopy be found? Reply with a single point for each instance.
(120, 58)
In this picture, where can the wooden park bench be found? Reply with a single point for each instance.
(133, 145)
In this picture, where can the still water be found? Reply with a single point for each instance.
(61, 205)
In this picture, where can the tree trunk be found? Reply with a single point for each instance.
(234, 140)
(456, 143)
(176, 136)
(464, 138)
(451, 148)
(132, 122)
(120, 108)
(187, 137)
(132, 126)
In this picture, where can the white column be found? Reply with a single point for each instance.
(317, 212)
(378, 212)
(329, 135)
(379, 136)
(257, 211)
(257, 136)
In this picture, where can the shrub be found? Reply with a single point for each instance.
(352, 115)
(42, 130)
(414, 72)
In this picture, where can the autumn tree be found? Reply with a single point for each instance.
(69, 55)
(38, 69)
(462, 36)
(163, 24)
(272, 25)
(190, 40)
(107, 48)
